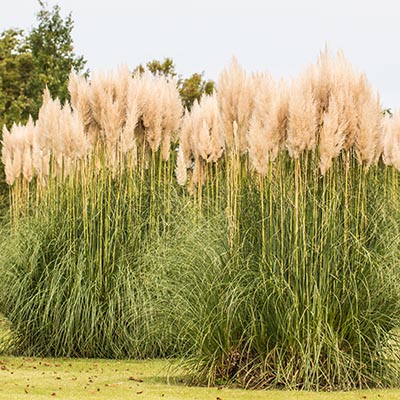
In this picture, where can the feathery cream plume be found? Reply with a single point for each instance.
(185, 140)
(6, 155)
(332, 133)
(159, 111)
(80, 92)
(235, 98)
(15, 150)
(368, 140)
(181, 168)
(302, 119)
(48, 125)
(267, 131)
(207, 139)
(172, 114)
(201, 139)
(391, 141)
(29, 132)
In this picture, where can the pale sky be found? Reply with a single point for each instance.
(282, 36)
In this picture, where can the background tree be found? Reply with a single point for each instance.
(190, 89)
(29, 62)
(52, 49)
(165, 68)
(17, 68)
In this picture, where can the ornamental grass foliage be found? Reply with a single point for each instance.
(255, 236)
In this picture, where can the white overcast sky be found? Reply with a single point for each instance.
(282, 36)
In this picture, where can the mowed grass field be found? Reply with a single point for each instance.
(46, 378)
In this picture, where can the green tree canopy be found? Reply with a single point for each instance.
(166, 68)
(190, 89)
(17, 69)
(29, 62)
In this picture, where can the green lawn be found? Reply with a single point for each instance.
(36, 378)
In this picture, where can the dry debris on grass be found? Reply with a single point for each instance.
(39, 378)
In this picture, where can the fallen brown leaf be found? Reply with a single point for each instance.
(132, 378)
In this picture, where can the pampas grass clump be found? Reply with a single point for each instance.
(302, 305)
(256, 235)
(101, 190)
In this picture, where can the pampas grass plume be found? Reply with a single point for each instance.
(235, 98)
(332, 133)
(391, 141)
(302, 119)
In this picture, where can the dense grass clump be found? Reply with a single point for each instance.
(270, 261)
(309, 298)
(75, 280)
(85, 207)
